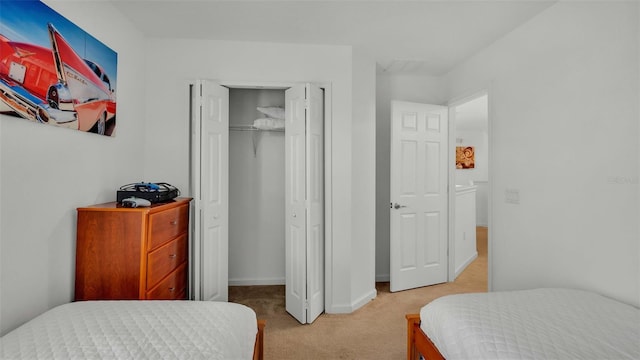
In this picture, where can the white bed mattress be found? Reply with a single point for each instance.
(136, 330)
(532, 324)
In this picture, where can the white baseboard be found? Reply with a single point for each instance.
(464, 265)
(365, 299)
(355, 305)
(250, 282)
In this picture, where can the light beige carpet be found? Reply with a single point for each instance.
(375, 331)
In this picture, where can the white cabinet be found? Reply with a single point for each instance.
(465, 227)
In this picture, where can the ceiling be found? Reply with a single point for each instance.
(473, 115)
(426, 37)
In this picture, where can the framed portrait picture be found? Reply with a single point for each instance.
(465, 157)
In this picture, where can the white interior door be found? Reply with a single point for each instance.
(315, 203)
(211, 190)
(304, 202)
(295, 207)
(419, 201)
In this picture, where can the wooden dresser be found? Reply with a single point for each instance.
(132, 253)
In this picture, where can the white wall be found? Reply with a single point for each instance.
(256, 192)
(48, 172)
(480, 173)
(363, 165)
(563, 92)
(175, 61)
(414, 88)
(479, 140)
(637, 177)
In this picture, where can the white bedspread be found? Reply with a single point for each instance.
(532, 324)
(136, 330)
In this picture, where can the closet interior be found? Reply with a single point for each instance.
(256, 187)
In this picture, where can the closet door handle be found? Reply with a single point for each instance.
(294, 215)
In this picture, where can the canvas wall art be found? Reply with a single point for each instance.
(52, 72)
(465, 157)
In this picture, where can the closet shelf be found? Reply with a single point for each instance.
(250, 128)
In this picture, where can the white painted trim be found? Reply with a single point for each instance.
(194, 191)
(464, 265)
(258, 85)
(490, 188)
(451, 195)
(357, 304)
(465, 190)
(328, 195)
(364, 300)
(257, 281)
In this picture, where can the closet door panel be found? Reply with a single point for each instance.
(214, 192)
(315, 194)
(295, 207)
(304, 167)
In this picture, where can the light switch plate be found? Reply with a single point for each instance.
(512, 196)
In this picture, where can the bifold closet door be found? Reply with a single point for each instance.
(304, 196)
(304, 199)
(210, 187)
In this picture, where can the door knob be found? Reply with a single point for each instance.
(398, 206)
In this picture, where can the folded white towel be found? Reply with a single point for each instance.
(273, 112)
(268, 124)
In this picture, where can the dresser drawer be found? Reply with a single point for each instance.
(167, 224)
(172, 287)
(133, 253)
(165, 259)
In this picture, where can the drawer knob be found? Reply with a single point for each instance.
(171, 289)
(172, 256)
(174, 222)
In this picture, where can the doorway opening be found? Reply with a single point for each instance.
(256, 188)
(470, 132)
(258, 184)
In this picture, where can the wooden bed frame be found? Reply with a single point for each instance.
(258, 348)
(418, 343)
(583, 309)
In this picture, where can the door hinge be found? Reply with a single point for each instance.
(306, 304)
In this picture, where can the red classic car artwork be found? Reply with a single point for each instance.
(55, 86)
